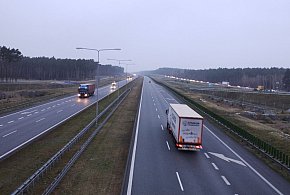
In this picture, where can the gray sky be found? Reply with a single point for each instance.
(192, 34)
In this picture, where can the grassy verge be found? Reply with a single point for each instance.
(18, 96)
(100, 169)
(261, 131)
(17, 168)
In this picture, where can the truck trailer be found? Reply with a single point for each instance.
(86, 90)
(186, 126)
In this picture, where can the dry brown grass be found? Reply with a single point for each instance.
(100, 170)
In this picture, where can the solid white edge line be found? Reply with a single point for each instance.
(206, 155)
(19, 146)
(33, 107)
(225, 180)
(9, 133)
(216, 168)
(130, 182)
(59, 111)
(179, 181)
(168, 145)
(162, 127)
(246, 163)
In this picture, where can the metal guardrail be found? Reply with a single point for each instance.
(264, 147)
(59, 177)
(50, 163)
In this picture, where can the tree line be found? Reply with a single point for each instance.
(14, 66)
(270, 78)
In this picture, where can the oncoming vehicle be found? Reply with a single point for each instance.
(114, 85)
(86, 90)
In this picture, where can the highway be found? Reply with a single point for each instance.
(19, 128)
(221, 167)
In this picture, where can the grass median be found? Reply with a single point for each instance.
(17, 168)
(100, 170)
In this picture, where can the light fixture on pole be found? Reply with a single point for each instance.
(97, 74)
(118, 60)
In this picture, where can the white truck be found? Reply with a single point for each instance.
(186, 126)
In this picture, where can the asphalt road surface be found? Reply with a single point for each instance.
(17, 129)
(221, 167)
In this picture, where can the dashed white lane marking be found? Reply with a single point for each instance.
(158, 116)
(206, 155)
(10, 122)
(73, 105)
(168, 145)
(36, 113)
(225, 180)
(59, 111)
(156, 109)
(29, 115)
(154, 104)
(53, 106)
(58, 104)
(246, 163)
(162, 127)
(40, 120)
(9, 133)
(43, 110)
(216, 168)
(179, 181)
(1, 125)
(48, 108)
(20, 118)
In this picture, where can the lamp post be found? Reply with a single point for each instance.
(119, 65)
(97, 74)
(127, 73)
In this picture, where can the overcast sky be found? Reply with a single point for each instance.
(192, 34)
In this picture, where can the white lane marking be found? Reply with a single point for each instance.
(28, 112)
(48, 108)
(73, 105)
(46, 130)
(43, 110)
(130, 182)
(1, 125)
(20, 118)
(154, 104)
(9, 133)
(59, 111)
(179, 181)
(58, 104)
(36, 113)
(216, 168)
(168, 145)
(206, 155)
(246, 163)
(10, 122)
(162, 127)
(221, 156)
(225, 180)
(40, 120)
(156, 109)
(158, 116)
(34, 107)
(29, 115)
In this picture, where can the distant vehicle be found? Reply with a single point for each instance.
(113, 85)
(225, 83)
(129, 78)
(186, 126)
(86, 90)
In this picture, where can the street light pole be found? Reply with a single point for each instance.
(120, 65)
(127, 73)
(97, 75)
